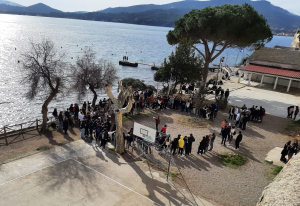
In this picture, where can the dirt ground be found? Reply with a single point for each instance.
(33, 142)
(205, 175)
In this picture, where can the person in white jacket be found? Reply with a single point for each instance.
(237, 119)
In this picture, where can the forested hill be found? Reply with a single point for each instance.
(161, 15)
(276, 16)
(34, 9)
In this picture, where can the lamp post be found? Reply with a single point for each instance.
(220, 66)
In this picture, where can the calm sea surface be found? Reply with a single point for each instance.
(111, 41)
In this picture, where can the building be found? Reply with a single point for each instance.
(277, 66)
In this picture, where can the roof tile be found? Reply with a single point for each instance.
(273, 71)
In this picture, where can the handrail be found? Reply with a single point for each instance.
(24, 127)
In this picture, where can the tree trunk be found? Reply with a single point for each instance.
(205, 73)
(119, 134)
(95, 97)
(45, 110)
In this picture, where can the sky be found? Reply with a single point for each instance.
(292, 6)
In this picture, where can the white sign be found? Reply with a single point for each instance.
(144, 132)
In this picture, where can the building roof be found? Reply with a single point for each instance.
(280, 55)
(272, 71)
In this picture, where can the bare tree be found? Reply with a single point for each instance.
(125, 94)
(44, 68)
(92, 74)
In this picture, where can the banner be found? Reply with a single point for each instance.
(147, 133)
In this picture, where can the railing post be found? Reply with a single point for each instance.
(37, 124)
(5, 135)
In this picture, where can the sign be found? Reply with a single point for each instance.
(144, 132)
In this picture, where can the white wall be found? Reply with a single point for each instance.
(271, 80)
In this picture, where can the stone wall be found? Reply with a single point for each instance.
(285, 189)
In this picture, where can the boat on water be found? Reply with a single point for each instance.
(154, 68)
(129, 64)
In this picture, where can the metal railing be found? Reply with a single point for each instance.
(10, 133)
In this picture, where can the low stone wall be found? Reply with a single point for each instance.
(285, 189)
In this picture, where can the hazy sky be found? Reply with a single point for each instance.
(94, 5)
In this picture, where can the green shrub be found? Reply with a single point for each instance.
(233, 160)
(222, 102)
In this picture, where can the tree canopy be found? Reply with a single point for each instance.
(43, 67)
(137, 85)
(221, 27)
(92, 74)
(182, 67)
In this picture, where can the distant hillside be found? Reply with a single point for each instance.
(34, 9)
(279, 19)
(10, 3)
(276, 16)
(41, 8)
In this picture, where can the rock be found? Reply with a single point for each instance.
(284, 190)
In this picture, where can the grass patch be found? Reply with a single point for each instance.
(174, 175)
(233, 161)
(194, 122)
(112, 149)
(276, 170)
(272, 172)
(43, 148)
(293, 125)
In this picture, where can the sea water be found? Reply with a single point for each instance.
(111, 41)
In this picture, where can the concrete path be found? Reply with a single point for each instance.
(82, 174)
(275, 102)
(274, 156)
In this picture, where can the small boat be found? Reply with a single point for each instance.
(129, 64)
(154, 68)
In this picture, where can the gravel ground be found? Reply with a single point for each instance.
(206, 176)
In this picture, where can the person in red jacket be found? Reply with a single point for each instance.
(164, 129)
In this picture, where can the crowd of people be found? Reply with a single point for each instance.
(94, 122)
(241, 116)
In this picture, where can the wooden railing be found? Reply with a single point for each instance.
(18, 130)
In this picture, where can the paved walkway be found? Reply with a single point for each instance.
(82, 174)
(274, 155)
(274, 101)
